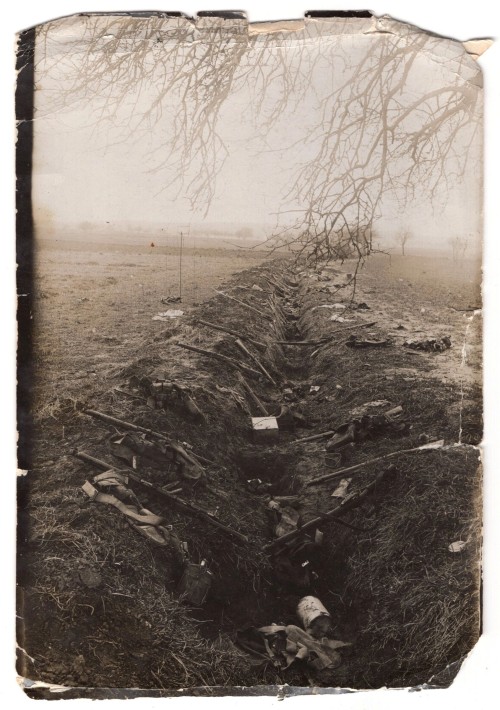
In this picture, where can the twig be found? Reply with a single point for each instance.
(276, 285)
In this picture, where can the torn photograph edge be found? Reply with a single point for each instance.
(25, 255)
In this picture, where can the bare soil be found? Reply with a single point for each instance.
(408, 606)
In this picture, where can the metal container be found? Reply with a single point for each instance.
(315, 619)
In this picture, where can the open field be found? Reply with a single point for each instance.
(96, 303)
(408, 606)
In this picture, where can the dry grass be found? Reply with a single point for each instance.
(420, 601)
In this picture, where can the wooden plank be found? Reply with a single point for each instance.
(314, 437)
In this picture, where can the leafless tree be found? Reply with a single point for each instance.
(377, 130)
(245, 233)
(459, 244)
(402, 238)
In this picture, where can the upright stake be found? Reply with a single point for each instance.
(166, 265)
(180, 269)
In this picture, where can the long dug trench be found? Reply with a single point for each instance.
(284, 467)
(274, 343)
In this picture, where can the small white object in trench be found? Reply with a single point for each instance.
(264, 424)
(165, 315)
(457, 546)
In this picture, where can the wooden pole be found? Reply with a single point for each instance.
(252, 357)
(253, 396)
(314, 437)
(229, 331)
(358, 466)
(322, 341)
(180, 269)
(242, 303)
(218, 356)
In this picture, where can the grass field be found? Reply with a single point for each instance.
(95, 303)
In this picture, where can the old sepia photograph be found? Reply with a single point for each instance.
(250, 354)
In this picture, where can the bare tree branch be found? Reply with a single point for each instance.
(376, 129)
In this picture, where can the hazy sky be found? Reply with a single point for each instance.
(94, 161)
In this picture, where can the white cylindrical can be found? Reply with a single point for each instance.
(315, 619)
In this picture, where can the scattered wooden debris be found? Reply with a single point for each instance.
(183, 505)
(328, 338)
(332, 515)
(218, 356)
(230, 331)
(351, 469)
(255, 360)
(252, 395)
(242, 303)
(191, 466)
